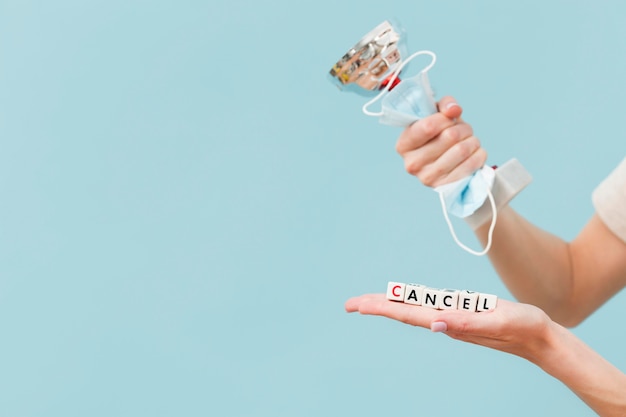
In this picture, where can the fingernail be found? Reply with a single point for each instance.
(450, 105)
(438, 326)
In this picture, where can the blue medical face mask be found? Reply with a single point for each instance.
(411, 100)
(463, 197)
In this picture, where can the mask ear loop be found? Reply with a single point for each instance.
(393, 78)
(491, 227)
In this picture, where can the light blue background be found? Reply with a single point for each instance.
(187, 202)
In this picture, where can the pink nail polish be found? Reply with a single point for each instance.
(438, 326)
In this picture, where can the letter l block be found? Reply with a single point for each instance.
(486, 302)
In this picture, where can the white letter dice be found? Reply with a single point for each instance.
(445, 299)
(395, 291)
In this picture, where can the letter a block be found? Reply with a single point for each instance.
(395, 291)
(413, 294)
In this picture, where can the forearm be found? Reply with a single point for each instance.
(568, 280)
(596, 381)
(534, 264)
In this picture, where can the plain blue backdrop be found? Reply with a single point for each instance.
(187, 202)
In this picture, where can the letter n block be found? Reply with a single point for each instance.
(431, 297)
(395, 291)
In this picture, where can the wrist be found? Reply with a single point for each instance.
(510, 179)
(549, 346)
(541, 341)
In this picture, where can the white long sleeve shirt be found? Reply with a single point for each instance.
(609, 200)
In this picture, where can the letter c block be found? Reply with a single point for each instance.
(395, 291)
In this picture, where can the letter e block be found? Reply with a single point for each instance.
(395, 291)
(486, 302)
(413, 294)
(468, 300)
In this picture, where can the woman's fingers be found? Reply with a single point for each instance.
(453, 155)
(449, 107)
(422, 131)
(378, 305)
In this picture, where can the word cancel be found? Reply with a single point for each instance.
(440, 299)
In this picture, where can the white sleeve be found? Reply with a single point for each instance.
(609, 200)
(510, 179)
